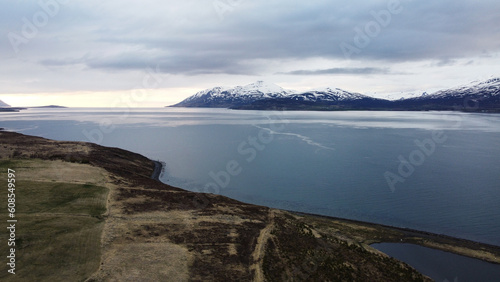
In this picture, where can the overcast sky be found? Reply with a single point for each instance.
(155, 53)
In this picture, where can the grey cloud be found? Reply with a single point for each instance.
(61, 62)
(189, 64)
(446, 63)
(188, 38)
(292, 30)
(354, 71)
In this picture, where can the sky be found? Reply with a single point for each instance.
(154, 53)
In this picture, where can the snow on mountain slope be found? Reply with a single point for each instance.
(262, 89)
(328, 95)
(4, 105)
(490, 87)
(404, 95)
(216, 91)
(268, 95)
(225, 96)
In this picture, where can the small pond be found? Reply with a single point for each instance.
(440, 265)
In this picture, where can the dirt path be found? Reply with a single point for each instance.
(260, 248)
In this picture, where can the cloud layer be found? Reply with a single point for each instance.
(81, 40)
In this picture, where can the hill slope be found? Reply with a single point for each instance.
(476, 96)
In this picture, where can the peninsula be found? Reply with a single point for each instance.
(93, 213)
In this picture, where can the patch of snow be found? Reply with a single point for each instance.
(334, 94)
(254, 91)
(262, 90)
(490, 86)
(403, 95)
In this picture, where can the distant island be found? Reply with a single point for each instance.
(483, 96)
(48, 107)
(12, 109)
(93, 213)
(4, 107)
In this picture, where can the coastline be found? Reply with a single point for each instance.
(213, 237)
(422, 238)
(157, 170)
(437, 241)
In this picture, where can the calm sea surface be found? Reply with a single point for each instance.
(432, 171)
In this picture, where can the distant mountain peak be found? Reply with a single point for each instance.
(260, 83)
(490, 87)
(495, 80)
(263, 87)
(4, 105)
(223, 97)
(325, 89)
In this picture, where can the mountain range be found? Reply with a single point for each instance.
(477, 96)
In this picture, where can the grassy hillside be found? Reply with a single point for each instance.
(59, 225)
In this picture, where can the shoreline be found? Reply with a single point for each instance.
(157, 170)
(262, 241)
(447, 243)
(403, 229)
(413, 236)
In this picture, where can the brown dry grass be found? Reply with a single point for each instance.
(60, 171)
(144, 262)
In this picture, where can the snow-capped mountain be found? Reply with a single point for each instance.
(475, 96)
(262, 89)
(224, 97)
(327, 95)
(490, 87)
(4, 105)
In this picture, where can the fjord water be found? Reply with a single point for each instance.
(329, 163)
